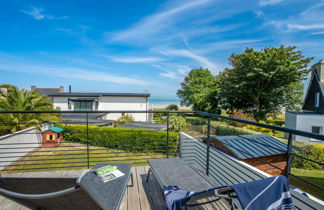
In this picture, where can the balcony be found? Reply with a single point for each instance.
(24, 155)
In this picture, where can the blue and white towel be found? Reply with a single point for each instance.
(269, 193)
(175, 197)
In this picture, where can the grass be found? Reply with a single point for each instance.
(74, 156)
(314, 176)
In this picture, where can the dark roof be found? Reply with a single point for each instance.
(47, 91)
(251, 146)
(81, 119)
(144, 125)
(99, 94)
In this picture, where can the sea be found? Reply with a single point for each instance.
(163, 102)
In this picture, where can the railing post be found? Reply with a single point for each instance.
(289, 156)
(88, 156)
(208, 147)
(167, 141)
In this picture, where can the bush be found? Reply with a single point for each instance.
(172, 107)
(224, 130)
(240, 115)
(178, 122)
(139, 140)
(260, 129)
(310, 151)
(124, 119)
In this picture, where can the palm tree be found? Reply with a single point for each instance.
(13, 99)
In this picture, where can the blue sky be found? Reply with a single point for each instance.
(144, 45)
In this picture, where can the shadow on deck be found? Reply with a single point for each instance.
(138, 196)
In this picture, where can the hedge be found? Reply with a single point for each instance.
(310, 151)
(224, 130)
(127, 139)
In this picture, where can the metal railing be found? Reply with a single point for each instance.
(85, 154)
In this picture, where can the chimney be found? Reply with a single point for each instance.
(33, 87)
(61, 89)
(319, 67)
(70, 89)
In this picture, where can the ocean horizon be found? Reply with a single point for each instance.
(163, 102)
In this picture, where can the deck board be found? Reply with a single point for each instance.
(139, 195)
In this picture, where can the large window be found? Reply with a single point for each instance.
(317, 129)
(83, 106)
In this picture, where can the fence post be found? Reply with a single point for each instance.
(208, 147)
(289, 156)
(167, 142)
(88, 158)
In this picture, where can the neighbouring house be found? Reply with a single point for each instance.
(256, 150)
(81, 101)
(311, 118)
(52, 136)
(48, 91)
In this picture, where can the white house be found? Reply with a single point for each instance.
(311, 119)
(77, 101)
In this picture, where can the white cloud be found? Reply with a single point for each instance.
(27, 66)
(133, 59)
(38, 14)
(170, 74)
(35, 13)
(156, 23)
(189, 54)
(269, 2)
(305, 27)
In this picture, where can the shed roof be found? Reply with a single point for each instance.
(252, 146)
(56, 129)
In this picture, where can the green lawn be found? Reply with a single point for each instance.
(74, 156)
(314, 176)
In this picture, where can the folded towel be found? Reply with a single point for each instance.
(269, 193)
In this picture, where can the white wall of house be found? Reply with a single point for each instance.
(124, 103)
(112, 103)
(304, 122)
(61, 102)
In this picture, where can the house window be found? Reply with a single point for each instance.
(83, 106)
(317, 97)
(50, 137)
(317, 129)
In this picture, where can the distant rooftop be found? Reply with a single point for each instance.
(252, 146)
(80, 94)
(48, 91)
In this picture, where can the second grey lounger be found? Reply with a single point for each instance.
(176, 172)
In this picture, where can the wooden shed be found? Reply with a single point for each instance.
(254, 150)
(52, 136)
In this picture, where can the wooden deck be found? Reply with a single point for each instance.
(138, 196)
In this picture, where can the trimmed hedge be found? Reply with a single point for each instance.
(224, 130)
(127, 139)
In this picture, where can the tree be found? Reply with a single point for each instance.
(13, 99)
(199, 90)
(263, 82)
(172, 107)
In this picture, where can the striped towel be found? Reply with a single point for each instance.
(175, 197)
(269, 193)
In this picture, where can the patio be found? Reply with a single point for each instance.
(138, 196)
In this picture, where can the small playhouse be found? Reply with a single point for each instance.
(52, 136)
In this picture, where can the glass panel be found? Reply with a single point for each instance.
(316, 129)
(83, 105)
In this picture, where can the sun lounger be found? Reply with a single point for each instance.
(181, 183)
(72, 189)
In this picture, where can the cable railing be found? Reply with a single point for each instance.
(91, 146)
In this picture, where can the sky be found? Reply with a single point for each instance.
(144, 45)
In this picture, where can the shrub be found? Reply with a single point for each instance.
(224, 130)
(141, 140)
(260, 129)
(310, 151)
(172, 107)
(124, 119)
(178, 122)
(240, 115)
